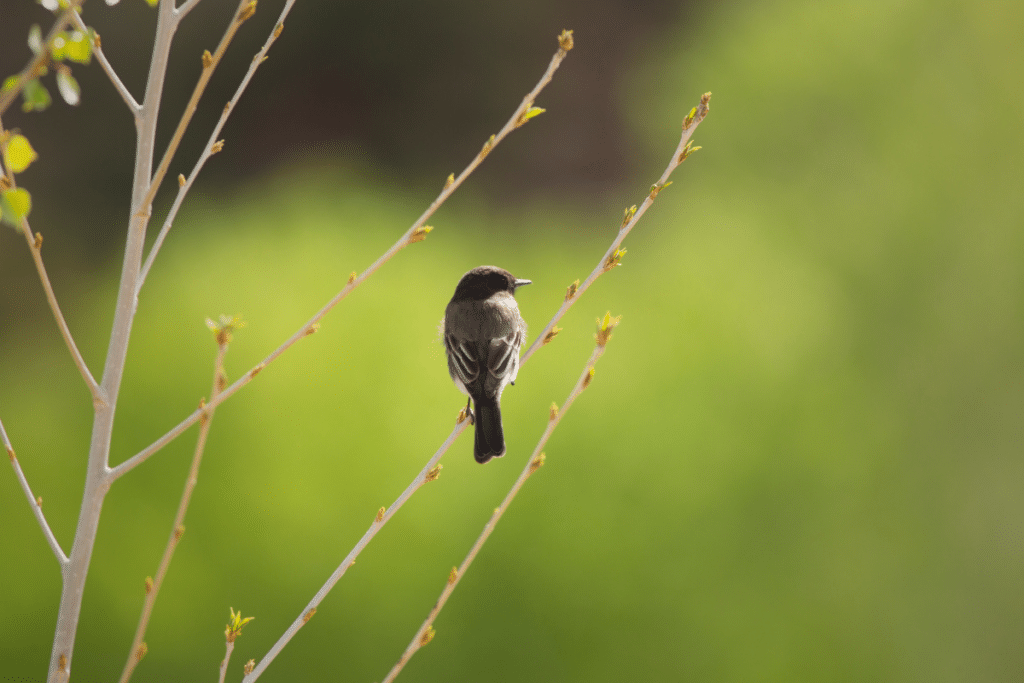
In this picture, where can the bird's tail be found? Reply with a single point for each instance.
(490, 439)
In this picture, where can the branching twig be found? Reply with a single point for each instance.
(35, 503)
(35, 245)
(426, 632)
(208, 150)
(428, 473)
(97, 477)
(36, 64)
(246, 8)
(134, 107)
(139, 648)
(417, 232)
(633, 214)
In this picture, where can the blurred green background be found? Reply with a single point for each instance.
(800, 458)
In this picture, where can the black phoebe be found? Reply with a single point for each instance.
(483, 333)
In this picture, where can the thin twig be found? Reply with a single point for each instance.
(428, 473)
(35, 245)
(210, 62)
(178, 528)
(608, 261)
(35, 503)
(134, 107)
(565, 43)
(183, 188)
(229, 646)
(38, 62)
(426, 631)
(415, 233)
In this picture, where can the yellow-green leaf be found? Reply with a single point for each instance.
(16, 204)
(19, 154)
(79, 47)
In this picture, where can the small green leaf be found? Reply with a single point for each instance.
(68, 86)
(19, 154)
(79, 47)
(36, 96)
(15, 204)
(9, 83)
(35, 39)
(152, 3)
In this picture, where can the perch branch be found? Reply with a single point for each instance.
(415, 233)
(428, 473)
(426, 630)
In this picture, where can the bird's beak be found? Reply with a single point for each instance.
(520, 283)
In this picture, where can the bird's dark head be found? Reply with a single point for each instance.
(483, 281)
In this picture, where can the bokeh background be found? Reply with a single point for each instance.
(800, 459)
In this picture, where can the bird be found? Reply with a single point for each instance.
(483, 333)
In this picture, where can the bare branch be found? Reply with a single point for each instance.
(428, 472)
(134, 107)
(518, 119)
(426, 630)
(35, 503)
(35, 244)
(415, 233)
(633, 214)
(210, 62)
(183, 188)
(178, 528)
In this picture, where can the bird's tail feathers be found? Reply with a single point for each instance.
(489, 439)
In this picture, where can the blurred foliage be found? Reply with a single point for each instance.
(800, 458)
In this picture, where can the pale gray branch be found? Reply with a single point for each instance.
(428, 472)
(97, 478)
(35, 503)
(426, 630)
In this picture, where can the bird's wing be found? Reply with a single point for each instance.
(462, 359)
(503, 360)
